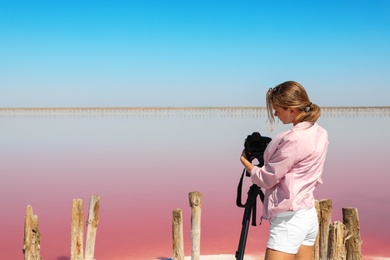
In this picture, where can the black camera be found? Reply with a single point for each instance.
(255, 145)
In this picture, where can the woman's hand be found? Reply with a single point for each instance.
(247, 164)
(243, 158)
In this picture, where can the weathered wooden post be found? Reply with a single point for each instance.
(325, 217)
(336, 244)
(92, 223)
(353, 240)
(77, 231)
(316, 248)
(177, 235)
(196, 208)
(32, 237)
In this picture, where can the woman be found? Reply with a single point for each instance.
(293, 164)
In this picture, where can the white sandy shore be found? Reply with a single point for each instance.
(260, 257)
(225, 257)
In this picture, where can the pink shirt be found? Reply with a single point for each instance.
(293, 165)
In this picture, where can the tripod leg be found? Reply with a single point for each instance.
(244, 234)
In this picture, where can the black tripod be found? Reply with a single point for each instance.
(250, 207)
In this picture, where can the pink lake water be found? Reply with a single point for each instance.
(143, 164)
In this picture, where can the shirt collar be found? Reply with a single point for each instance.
(303, 125)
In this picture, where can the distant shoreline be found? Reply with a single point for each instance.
(178, 108)
(355, 111)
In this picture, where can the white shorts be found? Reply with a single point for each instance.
(290, 230)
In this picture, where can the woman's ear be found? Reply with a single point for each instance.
(294, 111)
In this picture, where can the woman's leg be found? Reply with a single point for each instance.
(271, 254)
(304, 253)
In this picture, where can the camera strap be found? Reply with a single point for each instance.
(251, 201)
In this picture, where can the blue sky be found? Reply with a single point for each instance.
(192, 53)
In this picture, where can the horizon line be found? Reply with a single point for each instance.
(195, 111)
(175, 107)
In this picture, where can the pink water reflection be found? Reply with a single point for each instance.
(143, 168)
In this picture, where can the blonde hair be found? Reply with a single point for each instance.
(291, 94)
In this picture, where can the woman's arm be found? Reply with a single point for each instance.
(280, 162)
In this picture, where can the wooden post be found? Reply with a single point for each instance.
(92, 223)
(325, 217)
(32, 237)
(353, 240)
(196, 208)
(77, 232)
(177, 235)
(336, 244)
(316, 248)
